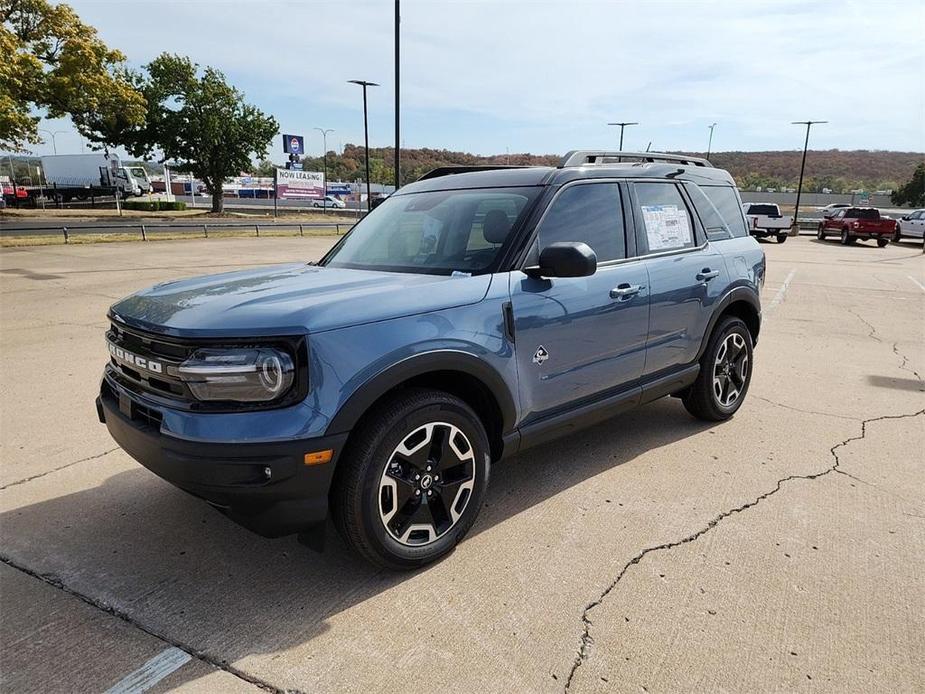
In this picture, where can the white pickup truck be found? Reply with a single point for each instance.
(764, 219)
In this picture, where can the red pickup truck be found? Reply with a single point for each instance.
(853, 223)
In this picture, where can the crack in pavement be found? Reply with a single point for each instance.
(905, 359)
(797, 409)
(55, 582)
(873, 330)
(57, 469)
(586, 640)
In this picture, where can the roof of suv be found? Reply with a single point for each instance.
(504, 177)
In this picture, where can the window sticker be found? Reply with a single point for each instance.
(667, 227)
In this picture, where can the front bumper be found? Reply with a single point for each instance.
(230, 476)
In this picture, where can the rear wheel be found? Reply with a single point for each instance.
(781, 238)
(820, 233)
(897, 235)
(411, 483)
(882, 242)
(845, 237)
(725, 373)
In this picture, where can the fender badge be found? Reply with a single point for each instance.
(540, 355)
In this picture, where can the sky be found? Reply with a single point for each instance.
(547, 76)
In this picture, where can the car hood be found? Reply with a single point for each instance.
(290, 300)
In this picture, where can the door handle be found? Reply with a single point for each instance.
(707, 274)
(625, 291)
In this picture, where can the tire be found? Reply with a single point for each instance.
(897, 235)
(702, 400)
(386, 487)
(820, 233)
(845, 238)
(882, 242)
(781, 238)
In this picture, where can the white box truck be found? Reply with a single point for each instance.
(81, 175)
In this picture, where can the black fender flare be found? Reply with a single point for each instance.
(417, 365)
(746, 294)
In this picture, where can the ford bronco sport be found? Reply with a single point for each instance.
(475, 313)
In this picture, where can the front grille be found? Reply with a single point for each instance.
(162, 354)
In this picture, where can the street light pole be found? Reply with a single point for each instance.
(54, 144)
(365, 84)
(710, 143)
(324, 196)
(397, 101)
(622, 126)
(796, 211)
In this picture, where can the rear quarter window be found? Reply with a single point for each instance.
(726, 201)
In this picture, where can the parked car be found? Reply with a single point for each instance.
(467, 318)
(856, 223)
(329, 201)
(764, 220)
(911, 226)
(829, 210)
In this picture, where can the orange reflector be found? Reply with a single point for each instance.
(319, 457)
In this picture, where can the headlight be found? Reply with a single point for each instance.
(247, 374)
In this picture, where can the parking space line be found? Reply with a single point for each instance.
(783, 289)
(152, 672)
(917, 283)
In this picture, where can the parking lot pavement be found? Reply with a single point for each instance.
(777, 551)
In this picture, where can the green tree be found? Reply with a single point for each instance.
(913, 193)
(198, 120)
(51, 61)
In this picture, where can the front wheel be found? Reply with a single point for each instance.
(411, 482)
(820, 233)
(882, 242)
(725, 373)
(845, 237)
(781, 238)
(897, 235)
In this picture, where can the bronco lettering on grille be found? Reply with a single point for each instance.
(135, 360)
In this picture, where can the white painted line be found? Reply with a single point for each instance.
(783, 289)
(152, 672)
(918, 284)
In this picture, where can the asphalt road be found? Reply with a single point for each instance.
(779, 551)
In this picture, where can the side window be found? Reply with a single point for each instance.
(727, 203)
(712, 221)
(666, 224)
(590, 213)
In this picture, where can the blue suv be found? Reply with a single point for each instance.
(475, 313)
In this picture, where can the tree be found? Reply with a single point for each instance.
(52, 61)
(198, 120)
(913, 193)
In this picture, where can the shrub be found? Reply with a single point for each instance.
(153, 205)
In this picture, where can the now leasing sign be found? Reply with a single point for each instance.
(299, 184)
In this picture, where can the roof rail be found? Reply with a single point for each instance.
(582, 157)
(448, 170)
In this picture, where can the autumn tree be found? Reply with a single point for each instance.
(196, 119)
(51, 61)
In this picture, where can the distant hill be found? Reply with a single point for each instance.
(841, 171)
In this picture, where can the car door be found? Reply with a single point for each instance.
(687, 275)
(579, 337)
(916, 225)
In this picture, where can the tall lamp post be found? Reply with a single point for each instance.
(53, 134)
(365, 84)
(710, 142)
(397, 103)
(796, 211)
(622, 126)
(324, 138)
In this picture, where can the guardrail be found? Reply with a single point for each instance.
(144, 228)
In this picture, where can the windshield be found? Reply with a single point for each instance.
(437, 233)
(763, 209)
(138, 172)
(863, 213)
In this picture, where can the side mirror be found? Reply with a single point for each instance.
(565, 259)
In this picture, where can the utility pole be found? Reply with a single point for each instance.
(324, 195)
(796, 211)
(710, 143)
(365, 84)
(622, 126)
(397, 100)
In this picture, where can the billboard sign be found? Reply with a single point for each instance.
(293, 144)
(299, 184)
